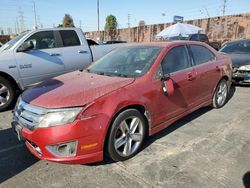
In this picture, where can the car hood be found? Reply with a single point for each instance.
(73, 89)
(240, 59)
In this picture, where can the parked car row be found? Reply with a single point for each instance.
(198, 37)
(38, 55)
(239, 52)
(110, 108)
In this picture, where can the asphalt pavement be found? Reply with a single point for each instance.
(208, 148)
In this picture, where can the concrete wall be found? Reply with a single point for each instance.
(220, 29)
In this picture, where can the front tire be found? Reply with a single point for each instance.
(126, 135)
(7, 94)
(221, 94)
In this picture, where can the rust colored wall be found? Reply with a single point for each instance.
(220, 29)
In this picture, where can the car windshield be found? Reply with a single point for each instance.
(12, 42)
(126, 62)
(237, 47)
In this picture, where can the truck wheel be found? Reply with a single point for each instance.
(220, 94)
(7, 94)
(126, 135)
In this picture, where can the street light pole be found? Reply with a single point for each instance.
(34, 8)
(98, 16)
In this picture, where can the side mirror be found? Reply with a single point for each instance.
(26, 46)
(167, 85)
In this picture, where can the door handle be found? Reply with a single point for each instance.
(54, 54)
(82, 51)
(190, 76)
(217, 68)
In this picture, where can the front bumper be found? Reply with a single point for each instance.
(89, 134)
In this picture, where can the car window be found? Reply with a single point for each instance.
(201, 54)
(91, 42)
(237, 47)
(69, 38)
(195, 37)
(177, 59)
(42, 40)
(203, 38)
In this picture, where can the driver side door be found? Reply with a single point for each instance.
(43, 61)
(177, 64)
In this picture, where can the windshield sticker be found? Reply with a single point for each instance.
(138, 71)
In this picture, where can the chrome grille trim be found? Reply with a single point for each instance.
(28, 115)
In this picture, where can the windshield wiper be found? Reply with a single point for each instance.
(121, 75)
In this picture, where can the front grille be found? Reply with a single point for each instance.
(28, 115)
(244, 71)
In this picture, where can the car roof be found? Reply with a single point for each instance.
(240, 40)
(167, 43)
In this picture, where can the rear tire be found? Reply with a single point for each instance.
(220, 94)
(126, 135)
(7, 94)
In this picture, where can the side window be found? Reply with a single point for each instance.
(177, 59)
(69, 38)
(201, 54)
(43, 40)
(195, 37)
(203, 38)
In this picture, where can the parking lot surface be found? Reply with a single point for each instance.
(209, 148)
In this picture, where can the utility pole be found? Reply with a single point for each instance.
(98, 16)
(17, 27)
(21, 21)
(129, 16)
(207, 11)
(34, 8)
(224, 7)
(80, 24)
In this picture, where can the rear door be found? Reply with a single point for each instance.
(43, 61)
(176, 63)
(207, 72)
(76, 54)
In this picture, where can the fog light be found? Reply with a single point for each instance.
(67, 149)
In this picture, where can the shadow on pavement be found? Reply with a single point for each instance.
(246, 180)
(176, 125)
(14, 157)
(231, 92)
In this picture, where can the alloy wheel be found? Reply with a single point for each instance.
(128, 136)
(4, 94)
(221, 96)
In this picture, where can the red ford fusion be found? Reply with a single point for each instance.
(111, 107)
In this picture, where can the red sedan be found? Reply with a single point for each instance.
(112, 107)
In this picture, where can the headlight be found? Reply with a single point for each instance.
(245, 67)
(59, 117)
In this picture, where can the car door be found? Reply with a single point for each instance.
(176, 63)
(41, 62)
(207, 72)
(76, 54)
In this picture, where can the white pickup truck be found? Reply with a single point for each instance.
(37, 55)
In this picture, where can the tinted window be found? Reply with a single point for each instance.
(195, 37)
(201, 54)
(70, 38)
(177, 59)
(43, 40)
(203, 38)
(237, 47)
(91, 42)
